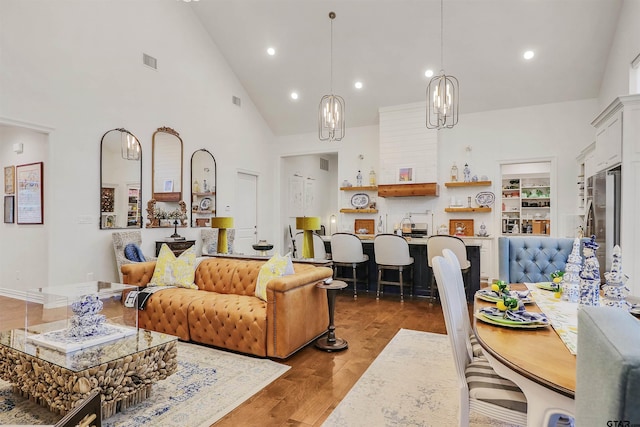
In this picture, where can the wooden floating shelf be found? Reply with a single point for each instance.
(359, 210)
(367, 188)
(467, 184)
(467, 209)
(408, 190)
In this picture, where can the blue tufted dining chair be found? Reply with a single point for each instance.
(531, 259)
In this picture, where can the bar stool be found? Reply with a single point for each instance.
(346, 251)
(392, 253)
(436, 244)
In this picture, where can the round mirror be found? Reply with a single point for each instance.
(120, 180)
(203, 188)
(166, 183)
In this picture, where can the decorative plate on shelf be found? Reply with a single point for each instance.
(360, 200)
(205, 204)
(485, 198)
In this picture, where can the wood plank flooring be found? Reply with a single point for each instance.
(317, 381)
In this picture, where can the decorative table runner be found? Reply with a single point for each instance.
(563, 315)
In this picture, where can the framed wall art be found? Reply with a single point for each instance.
(8, 209)
(30, 194)
(9, 179)
(405, 175)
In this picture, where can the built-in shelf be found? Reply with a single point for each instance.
(467, 184)
(467, 209)
(366, 188)
(358, 210)
(408, 190)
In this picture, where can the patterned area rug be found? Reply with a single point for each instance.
(208, 384)
(411, 383)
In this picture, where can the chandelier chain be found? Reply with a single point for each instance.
(442, 34)
(331, 58)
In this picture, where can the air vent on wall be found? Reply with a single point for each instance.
(149, 61)
(237, 101)
(324, 164)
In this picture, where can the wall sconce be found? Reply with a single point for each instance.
(333, 221)
(222, 223)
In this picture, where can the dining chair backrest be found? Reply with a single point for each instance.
(436, 244)
(319, 252)
(607, 367)
(460, 295)
(390, 249)
(447, 281)
(346, 247)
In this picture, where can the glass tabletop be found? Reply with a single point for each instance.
(139, 340)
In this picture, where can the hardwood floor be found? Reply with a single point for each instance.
(317, 381)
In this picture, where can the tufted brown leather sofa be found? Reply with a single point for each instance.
(224, 312)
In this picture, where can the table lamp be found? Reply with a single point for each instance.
(308, 224)
(222, 223)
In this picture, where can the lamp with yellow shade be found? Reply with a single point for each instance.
(308, 224)
(222, 223)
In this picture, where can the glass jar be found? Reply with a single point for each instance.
(372, 177)
(454, 173)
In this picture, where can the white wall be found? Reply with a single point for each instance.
(24, 255)
(76, 66)
(625, 47)
(553, 132)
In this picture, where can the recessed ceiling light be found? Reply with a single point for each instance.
(294, 95)
(428, 73)
(358, 85)
(271, 51)
(528, 54)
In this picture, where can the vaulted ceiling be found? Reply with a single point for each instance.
(388, 45)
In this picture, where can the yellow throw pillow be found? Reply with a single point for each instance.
(172, 271)
(277, 266)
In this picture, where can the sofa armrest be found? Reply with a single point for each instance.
(285, 283)
(297, 311)
(138, 273)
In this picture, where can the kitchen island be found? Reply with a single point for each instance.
(421, 271)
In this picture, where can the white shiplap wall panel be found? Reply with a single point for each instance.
(406, 142)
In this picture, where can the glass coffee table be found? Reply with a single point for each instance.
(122, 367)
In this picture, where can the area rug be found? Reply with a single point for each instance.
(208, 385)
(411, 383)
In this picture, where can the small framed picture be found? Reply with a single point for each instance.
(405, 175)
(168, 186)
(9, 179)
(9, 209)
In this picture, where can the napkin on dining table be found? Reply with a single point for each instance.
(520, 315)
(513, 294)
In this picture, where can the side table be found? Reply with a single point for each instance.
(176, 246)
(329, 342)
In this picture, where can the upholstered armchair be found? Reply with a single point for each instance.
(210, 240)
(531, 259)
(120, 240)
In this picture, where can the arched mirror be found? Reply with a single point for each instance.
(166, 167)
(120, 180)
(203, 188)
(166, 207)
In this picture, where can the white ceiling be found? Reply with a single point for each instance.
(388, 44)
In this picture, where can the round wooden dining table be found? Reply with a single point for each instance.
(536, 354)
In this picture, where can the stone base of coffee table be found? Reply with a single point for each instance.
(122, 382)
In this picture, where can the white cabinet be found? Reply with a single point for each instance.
(486, 255)
(608, 150)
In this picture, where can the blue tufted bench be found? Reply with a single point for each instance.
(531, 259)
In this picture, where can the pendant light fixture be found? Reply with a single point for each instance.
(331, 110)
(129, 145)
(442, 92)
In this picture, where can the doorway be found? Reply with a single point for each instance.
(247, 214)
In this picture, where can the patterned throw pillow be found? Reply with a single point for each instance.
(132, 252)
(172, 271)
(277, 266)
